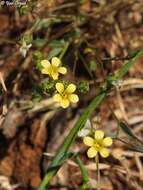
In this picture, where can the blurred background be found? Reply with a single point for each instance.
(93, 38)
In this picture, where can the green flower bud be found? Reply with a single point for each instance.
(37, 55)
(48, 86)
(27, 38)
(83, 87)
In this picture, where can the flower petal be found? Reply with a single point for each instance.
(107, 141)
(104, 152)
(99, 134)
(45, 71)
(71, 88)
(23, 51)
(92, 152)
(62, 70)
(57, 98)
(59, 87)
(88, 141)
(55, 62)
(55, 75)
(65, 103)
(45, 63)
(29, 46)
(73, 98)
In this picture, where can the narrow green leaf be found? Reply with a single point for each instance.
(128, 131)
(54, 52)
(125, 68)
(59, 157)
(39, 42)
(135, 144)
(69, 140)
(44, 23)
(57, 43)
(136, 148)
(84, 173)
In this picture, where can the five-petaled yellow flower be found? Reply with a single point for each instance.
(98, 144)
(65, 96)
(53, 69)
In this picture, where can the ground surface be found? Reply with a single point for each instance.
(27, 129)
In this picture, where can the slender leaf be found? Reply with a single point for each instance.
(136, 148)
(84, 173)
(54, 52)
(39, 42)
(69, 140)
(59, 157)
(125, 68)
(128, 131)
(136, 144)
(57, 43)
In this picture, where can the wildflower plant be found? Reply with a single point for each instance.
(53, 69)
(65, 96)
(97, 144)
(25, 44)
(95, 141)
(25, 48)
(64, 93)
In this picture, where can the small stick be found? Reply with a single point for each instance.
(2, 82)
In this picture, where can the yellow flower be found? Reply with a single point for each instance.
(65, 96)
(98, 144)
(53, 69)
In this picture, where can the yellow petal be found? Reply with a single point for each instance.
(92, 152)
(107, 141)
(104, 152)
(57, 98)
(55, 75)
(55, 62)
(45, 63)
(99, 134)
(59, 87)
(71, 88)
(64, 103)
(45, 71)
(73, 98)
(62, 70)
(88, 141)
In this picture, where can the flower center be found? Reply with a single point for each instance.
(97, 145)
(53, 69)
(64, 95)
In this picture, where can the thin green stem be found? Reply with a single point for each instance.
(98, 172)
(64, 148)
(75, 61)
(85, 65)
(64, 50)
